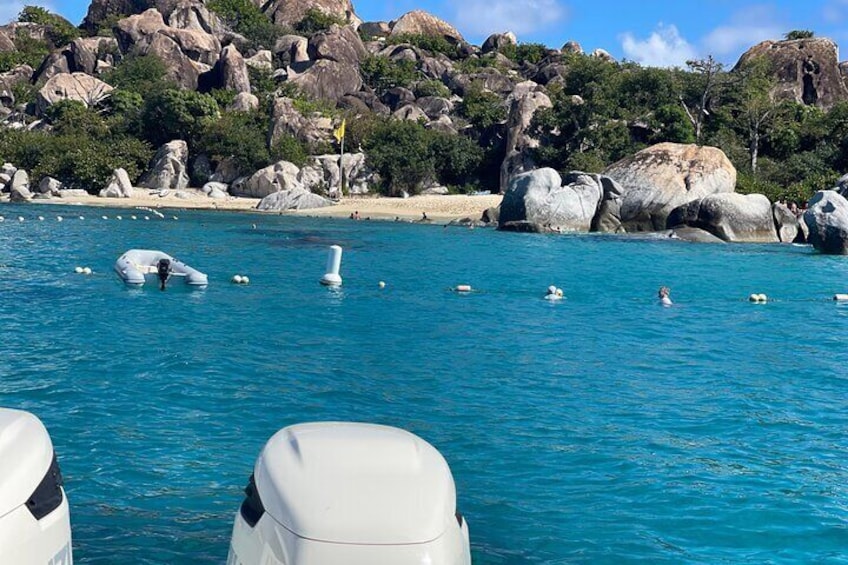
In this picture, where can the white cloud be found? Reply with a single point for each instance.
(485, 17)
(664, 48)
(746, 29)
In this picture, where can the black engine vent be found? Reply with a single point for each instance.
(252, 508)
(48, 494)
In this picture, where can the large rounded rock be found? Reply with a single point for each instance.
(662, 177)
(807, 70)
(729, 216)
(328, 80)
(273, 178)
(19, 188)
(288, 12)
(419, 22)
(119, 186)
(827, 220)
(522, 109)
(169, 169)
(286, 119)
(232, 71)
(540, 198)
(76, 86)
(498, 41)
(340, 44)
(785, 222)
(295, 199)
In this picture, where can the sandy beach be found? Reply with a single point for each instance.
(437, 208)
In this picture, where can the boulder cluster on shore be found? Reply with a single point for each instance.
(329, 57)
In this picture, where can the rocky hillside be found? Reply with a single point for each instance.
(251, 97)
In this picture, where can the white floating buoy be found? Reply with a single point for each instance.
(2, 219)
(245, 279)
(381, 284)
(758, 298)
(553, 293)
(840, 297)
(133, 217)
(41, 218)
(237, 279)
(59, 218)
(82, 217)
(78, 270)
(147, 217)
(119, 218)
(105, 217)
(20, 218)
(176, 218)
(462, 288)
(334, 263)
(86, 270)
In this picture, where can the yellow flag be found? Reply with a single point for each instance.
(339, 133)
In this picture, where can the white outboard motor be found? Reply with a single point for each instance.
(337, 493)
(35, 525)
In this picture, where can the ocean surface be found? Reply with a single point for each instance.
(601, 429)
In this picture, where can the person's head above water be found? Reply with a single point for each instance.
(663, 292)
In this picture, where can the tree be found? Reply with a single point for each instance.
(709, 71)
(756, 109)
(799, 34)
(178, 114)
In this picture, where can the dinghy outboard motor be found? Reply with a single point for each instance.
(35, 524)
(163, 270)
(338, 493)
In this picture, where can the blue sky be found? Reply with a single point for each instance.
(651, 32)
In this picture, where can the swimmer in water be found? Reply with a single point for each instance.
(663, 295)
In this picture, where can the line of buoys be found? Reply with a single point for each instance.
(240, 279)
(758, 298)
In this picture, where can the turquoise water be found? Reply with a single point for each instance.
(604, 428)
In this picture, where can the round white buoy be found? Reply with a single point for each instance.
(20, 218)
(176, 218)
(78, 270)
(147, 217)
(758, 298)
(237, 279)
(82, 217)
(133, 217)
(59, 218)
(245, 279)
(2, 219)
(105, 217)
(463, 288)
(41, 218)
(86, 270)
(334, 263)
(840, 297)
(381, 284)
(119, 217)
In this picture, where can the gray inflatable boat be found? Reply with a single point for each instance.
(133, 266)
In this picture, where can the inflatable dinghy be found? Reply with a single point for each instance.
(133, 266)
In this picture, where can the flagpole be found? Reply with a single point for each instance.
(341, 166)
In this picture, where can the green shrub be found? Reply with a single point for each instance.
(58, 30)
(316, 21)
(481, 107)
(144, 75)
(288, 148)
(177, 114)
(524, 52)
(382, 74)
(431, 88)
(245, 17)
(431, 43)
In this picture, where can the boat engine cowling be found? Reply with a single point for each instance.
(35, 524)
(339, 493)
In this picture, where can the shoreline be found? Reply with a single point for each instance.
(436, 207)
